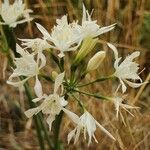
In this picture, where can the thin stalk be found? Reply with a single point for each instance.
(97, 80)
(93, 95)
(79, 102)
(36, 120)
(48, 78)
(58, 121)
(49, 142)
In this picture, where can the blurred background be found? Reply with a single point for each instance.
(132, 33)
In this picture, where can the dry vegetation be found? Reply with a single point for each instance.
(131, 33)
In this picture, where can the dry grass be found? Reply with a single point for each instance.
(131, 33)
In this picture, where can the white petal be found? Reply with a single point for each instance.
(116, 63)
(104, 130)
(124, 88)
(106, 29)
(72, 116)
(70, 135)
(29, 113)
(129, 107)
(38, 88)
(50, 120)
(43, 60)
(134, 85)
(95, 138)
(114, 49)
(36, 99)
(133, 55)
(43, 31)
(58, 81)
(128, 111)
(20, 50)
(78, 130)
(84, 13)
(17, 84)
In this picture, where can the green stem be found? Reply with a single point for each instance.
(38, 117)
(93, 95)
(36, 120)
(79, 102)
(48, 78)
(49, 142)
(97, 80)
(58, 121)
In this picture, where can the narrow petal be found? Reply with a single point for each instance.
(95, 138)
(116, 63)
(38, 88)
(77, 135)
(36, 99)
(106, 29)
(134, 55)
(114, 49)
(104, 130)
(43, 31)
(134, 85)
(71, 135)
(43, 59)
(128, 111)
(72, 116)
(17, 84)
(33, 111)
(124, 88)
(83, 13)
(50, 120)
(129, 107)
(20, 50)
(58, 81)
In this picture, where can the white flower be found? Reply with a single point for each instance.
(90, 28)
(11, 13)
(118, 102)
(37, 46)
(25, 66)
(87, 124)
(51, 105)
(128, 69)
(63, 36)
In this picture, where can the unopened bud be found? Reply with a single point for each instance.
(87, 46)
(54, 74)
(95, 61)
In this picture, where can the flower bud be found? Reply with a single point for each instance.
(87, 45)
(96, 60)
(54, 74)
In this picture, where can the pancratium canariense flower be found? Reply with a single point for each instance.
(119, 103)
(128, 69)
(86, 124)
(63, 36)
(13, 14)
(52, 104)
(90, 28)
(28, 67)
(37, 46)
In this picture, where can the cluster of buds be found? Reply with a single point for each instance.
(65, 37)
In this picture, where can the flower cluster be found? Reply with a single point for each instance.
(13, 14)
(65, 37)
